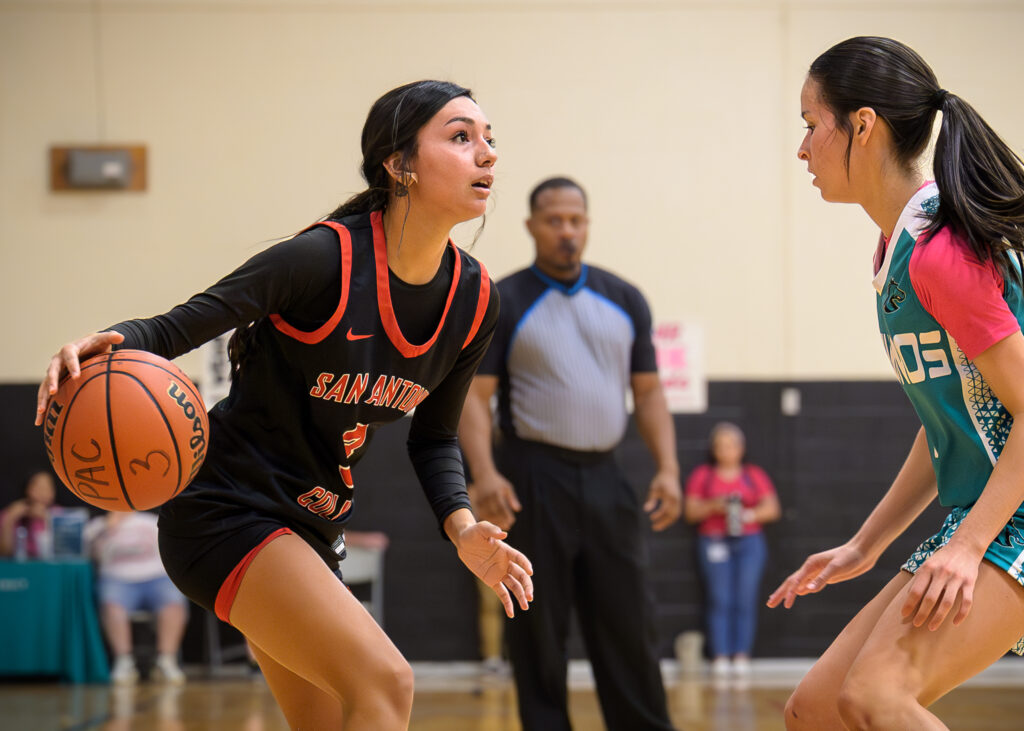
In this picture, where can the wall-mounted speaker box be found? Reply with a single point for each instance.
(97, 167)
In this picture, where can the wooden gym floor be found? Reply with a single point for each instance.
(457, 697)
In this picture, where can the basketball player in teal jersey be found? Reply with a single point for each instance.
(948, 293)
(343, 328)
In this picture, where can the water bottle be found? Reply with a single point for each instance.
(734, 515)
(20, 543)
(44, 543)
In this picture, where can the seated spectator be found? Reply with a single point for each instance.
(31, 512)
(131, 578)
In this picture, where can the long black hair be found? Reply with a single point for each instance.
(980, 179)
(391, 126)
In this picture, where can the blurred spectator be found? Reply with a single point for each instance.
(729, 499)
(132, 579)
(25, 523)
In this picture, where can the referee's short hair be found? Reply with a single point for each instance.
(551, 183)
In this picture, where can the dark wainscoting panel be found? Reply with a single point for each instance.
(831, 463)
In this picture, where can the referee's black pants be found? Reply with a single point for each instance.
(580, 526)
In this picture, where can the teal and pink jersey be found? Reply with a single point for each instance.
(939, 307)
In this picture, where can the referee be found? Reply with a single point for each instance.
(570, 340)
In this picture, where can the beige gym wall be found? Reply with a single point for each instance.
(681, 117)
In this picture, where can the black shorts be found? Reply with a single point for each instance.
(207, 543)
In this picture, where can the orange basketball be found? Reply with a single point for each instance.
(129, 434)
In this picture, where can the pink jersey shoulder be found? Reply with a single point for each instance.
(964, 294)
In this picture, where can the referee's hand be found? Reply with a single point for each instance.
(494, 499)
(664, 500)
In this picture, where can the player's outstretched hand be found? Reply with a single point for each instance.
(497, 564)
(820, 570)
(67, 360)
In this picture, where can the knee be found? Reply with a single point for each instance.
(808, 709)
(864, 704)
(393, 685)
(853, 708)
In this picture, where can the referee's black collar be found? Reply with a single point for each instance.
(563, 287)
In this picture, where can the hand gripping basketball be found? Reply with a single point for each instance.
(129, 433)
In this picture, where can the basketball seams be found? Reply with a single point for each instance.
(147, 373)
(113, 442)
(183, 380)
(167, 423)
(63, 429)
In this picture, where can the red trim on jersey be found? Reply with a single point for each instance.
(314, 337)
(481, 303)
(228, 590)
(387, 312)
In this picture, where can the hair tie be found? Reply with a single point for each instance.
(938, 98)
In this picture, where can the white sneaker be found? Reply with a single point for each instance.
(166, 668)
(720, 667)
(124, 671)
(741, 667)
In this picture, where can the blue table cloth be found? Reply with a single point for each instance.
(48, 621)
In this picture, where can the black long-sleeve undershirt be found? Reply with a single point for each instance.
(299, 279)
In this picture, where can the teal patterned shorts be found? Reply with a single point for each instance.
(1006, 551)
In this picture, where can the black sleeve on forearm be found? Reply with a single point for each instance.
(298, 278)
(438, 465)
(433, 435)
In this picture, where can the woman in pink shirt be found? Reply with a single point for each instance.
(729, 500)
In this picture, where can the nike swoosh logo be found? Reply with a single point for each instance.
(352, 336)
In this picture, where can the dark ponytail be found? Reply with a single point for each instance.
(980, 179)
(391, 126)
(981, 184)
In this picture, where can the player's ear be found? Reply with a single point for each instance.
(399, 170)
(863, 120)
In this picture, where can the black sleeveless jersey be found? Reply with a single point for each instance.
(305, 403)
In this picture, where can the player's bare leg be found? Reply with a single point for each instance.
(298, 614)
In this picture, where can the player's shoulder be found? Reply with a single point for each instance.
(473, 266)
(947, 256)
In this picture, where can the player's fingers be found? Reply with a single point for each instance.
(513, 500)
(506, 599)
(966, 602)
(786, 593)
(942, 610)
(48, 387)
(816, 582)
(517, 589)
(929, 601)
(915, 592)
(524, 580)
(519, 559)
(491, 530)
(69, 359)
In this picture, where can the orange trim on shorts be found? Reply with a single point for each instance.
(228, 590)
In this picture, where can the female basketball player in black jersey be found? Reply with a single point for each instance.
(347, 326)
